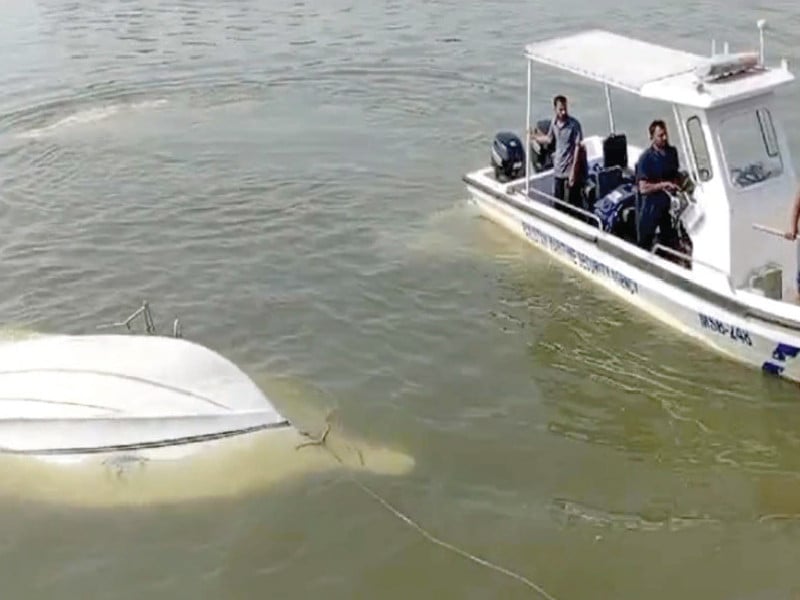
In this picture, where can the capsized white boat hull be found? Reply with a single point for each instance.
(71, 395)
(737, 325)
(134, 419)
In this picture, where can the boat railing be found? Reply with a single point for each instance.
(676, 253)
(770, 230)
(567, 205)
(694, 261)
(150, 327)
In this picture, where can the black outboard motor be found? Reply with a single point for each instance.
(542, 155)
(508, 157)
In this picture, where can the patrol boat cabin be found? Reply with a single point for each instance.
(732, 279)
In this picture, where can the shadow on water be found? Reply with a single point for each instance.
(616, 383)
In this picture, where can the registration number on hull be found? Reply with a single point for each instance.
(732, 331)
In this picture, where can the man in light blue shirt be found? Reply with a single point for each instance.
(567, 171)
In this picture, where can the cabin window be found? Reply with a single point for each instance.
(752, 153)
(768, 132)
(697, 140)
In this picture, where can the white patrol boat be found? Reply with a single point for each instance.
(732, 282)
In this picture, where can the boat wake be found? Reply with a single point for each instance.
(90, 116)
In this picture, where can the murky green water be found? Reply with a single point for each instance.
(286, 179)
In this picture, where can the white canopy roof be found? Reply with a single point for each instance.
(646, 69)
(610, 58)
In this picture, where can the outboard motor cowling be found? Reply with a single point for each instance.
(508, 156)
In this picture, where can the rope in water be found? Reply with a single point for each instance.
(439, 542)
(322, 441)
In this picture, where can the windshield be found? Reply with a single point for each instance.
(751, 148)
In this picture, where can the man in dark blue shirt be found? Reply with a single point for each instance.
(657, 175)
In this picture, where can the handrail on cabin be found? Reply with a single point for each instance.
(770, 230)
(693, 260)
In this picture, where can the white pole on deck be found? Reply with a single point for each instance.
(682, 136)
(761, 24)
(609, 108)
(528, 136)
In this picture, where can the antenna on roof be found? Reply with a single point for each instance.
(761, 25)
(713, 47)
